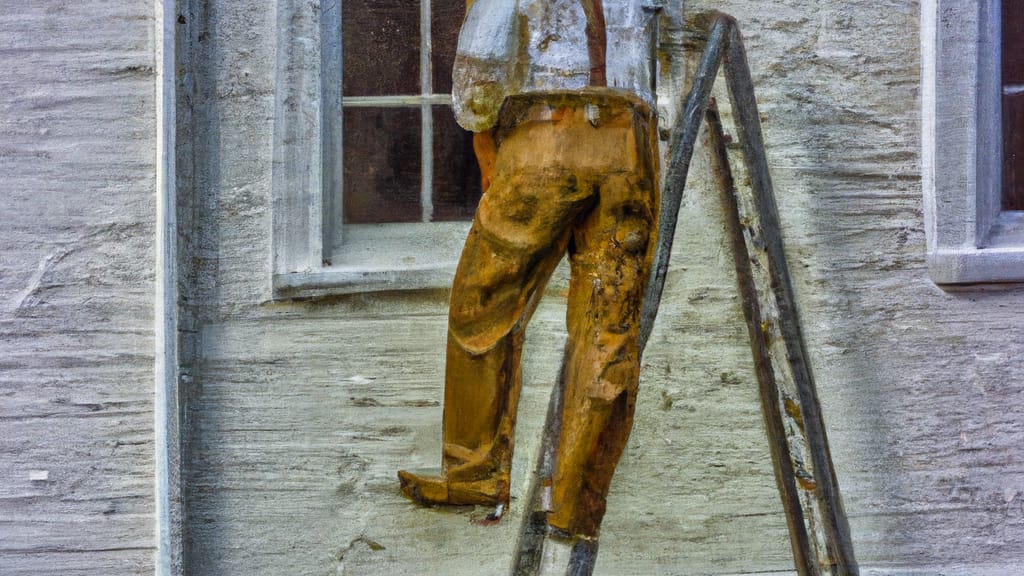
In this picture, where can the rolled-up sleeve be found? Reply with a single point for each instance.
(485, 63)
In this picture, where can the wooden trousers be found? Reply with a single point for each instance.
(574, 172)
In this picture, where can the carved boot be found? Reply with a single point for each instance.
(433, 487)
(477, 477)
(480, 404)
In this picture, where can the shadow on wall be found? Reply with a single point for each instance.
(199, 248)
(914, 381)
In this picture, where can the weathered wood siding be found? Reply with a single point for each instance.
(301, 412)
(76, 287)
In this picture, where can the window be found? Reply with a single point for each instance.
(973, 236)
(405, 158)
(374, 182)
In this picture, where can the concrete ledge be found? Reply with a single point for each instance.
(327, 281)
(969, 266)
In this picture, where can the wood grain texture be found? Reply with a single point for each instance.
(76, 288)
(302, 411)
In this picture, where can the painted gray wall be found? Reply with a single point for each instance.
(303, 411)
(77, 133)
(300, 412)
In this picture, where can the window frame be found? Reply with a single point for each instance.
(970, 239)
(307, 177)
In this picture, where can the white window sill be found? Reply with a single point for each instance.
(381, 257)
(1001, 259)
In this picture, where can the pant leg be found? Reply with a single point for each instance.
(482, 370)
(611, 260)
(519, 234)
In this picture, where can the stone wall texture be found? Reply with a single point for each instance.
(77, 213)
(298, 413)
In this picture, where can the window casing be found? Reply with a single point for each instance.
(971, 238)
(351, 218)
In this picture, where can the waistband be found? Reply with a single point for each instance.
(599, 106)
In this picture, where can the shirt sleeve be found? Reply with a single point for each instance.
(485, 69)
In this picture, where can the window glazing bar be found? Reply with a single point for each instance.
(426, 116)
(397, 101)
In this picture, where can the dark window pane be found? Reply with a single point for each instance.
(445, 21)
(1013, 42)
(1013, 104)
(1013, 151)
(380, 47)
(382, 165)
(456, 188)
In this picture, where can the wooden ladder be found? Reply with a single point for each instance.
(819, 533)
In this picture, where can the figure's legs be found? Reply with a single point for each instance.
(611, 258)
(520, 232)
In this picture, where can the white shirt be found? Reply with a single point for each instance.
(511, 47)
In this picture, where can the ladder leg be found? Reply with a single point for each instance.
(789, 397)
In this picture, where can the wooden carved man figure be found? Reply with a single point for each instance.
(564, 87)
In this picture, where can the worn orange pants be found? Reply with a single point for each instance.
(574, 172)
